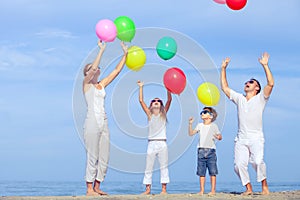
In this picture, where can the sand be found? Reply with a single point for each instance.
(219, 196)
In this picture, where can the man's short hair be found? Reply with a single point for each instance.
(253, 79)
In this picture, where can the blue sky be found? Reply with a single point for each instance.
(44, 43)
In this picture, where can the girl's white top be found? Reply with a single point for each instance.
(157, 128)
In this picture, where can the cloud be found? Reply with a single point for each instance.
(55, 33)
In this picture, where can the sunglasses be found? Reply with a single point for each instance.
(251, 82)
(156, 100)
(204, 112)
(91, 68)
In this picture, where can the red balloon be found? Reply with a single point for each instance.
(236, 4)
(174, 80)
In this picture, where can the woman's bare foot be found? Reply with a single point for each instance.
(146, 192)
(248, 192)
(100, 192)
(200, 193)
(91, 193)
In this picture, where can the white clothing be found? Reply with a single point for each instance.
(96, 135)
(159, 149)
(250, 113)
(206, 135)
(157, 146)
(249, 143)
(252, 151)
(157, 128)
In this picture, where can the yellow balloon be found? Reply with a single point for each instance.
(136, 58)
(208, 94)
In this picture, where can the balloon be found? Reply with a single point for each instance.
(136, 58)
(106, 30)
(125, 28)
(236, 4)
(166, 48)
(174, 80)
(208, 94)
(220, 1)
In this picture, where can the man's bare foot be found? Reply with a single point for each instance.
(100, 192)
(248, 192)
(200, 193)
(163, 192)
(265, 191)
(91, 193)
(211, 194)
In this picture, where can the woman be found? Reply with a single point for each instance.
(96, 133)
(157, 139)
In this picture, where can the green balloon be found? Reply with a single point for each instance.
(166, 48)
(125, 28)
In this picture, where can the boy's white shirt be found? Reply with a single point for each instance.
(206, 135)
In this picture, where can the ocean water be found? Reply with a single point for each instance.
(52, 188)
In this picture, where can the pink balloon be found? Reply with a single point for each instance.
(174, 80)
(106, 30)
(220, 1)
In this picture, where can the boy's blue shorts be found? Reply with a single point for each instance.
(207, 159)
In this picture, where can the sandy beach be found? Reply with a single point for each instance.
(218, 196)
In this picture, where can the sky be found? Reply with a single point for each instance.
(44, 44)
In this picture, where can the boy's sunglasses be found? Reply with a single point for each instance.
(204, 112)
(156, 100)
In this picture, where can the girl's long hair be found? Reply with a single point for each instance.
(162, 110)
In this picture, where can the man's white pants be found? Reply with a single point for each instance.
(97, 150)
(252, 151)
(159, 149)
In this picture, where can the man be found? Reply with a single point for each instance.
(249, 142)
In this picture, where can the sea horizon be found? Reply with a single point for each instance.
(78, 188)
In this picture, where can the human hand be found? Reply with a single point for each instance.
(191, 120)
(218, 136)
(124, 47)
(264, 60)
(101, 45)
(225, 62)
(140, 83)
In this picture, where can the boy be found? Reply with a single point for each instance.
(207, 158)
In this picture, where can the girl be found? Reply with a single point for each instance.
(157, 145)
(96, 133)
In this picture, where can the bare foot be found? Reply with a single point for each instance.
(211, 194)
(163, 192)
(265, 192)
(248, 192)
(200, 193)
(91, 193)
(146, 192)
(100, 192)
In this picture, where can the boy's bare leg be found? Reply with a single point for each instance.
(249, 190)
(265, 188)
(213, 185)
(148, 189)
(90, 190)
(202, 183)
(97, 188)
(163, 188)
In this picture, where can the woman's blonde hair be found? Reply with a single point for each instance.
(86, 68)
